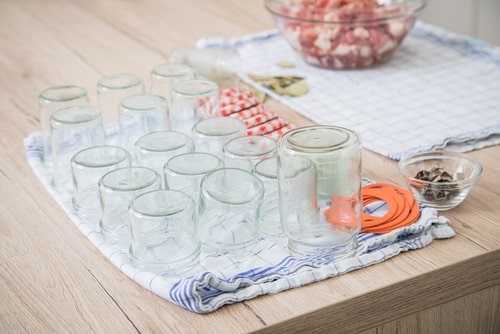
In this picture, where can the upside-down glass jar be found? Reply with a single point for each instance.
(319, 176)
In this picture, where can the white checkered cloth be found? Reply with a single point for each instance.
(439, 90)
(266, 268)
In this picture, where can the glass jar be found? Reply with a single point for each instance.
(221, 65)
(319, 176)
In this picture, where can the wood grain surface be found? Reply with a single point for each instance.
(53, 280)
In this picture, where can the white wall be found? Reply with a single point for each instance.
(477, 18)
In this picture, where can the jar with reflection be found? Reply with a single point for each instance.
(319, 177)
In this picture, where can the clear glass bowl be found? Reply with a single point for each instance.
(440, 180)
(340, 34)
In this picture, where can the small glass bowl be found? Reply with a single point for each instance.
(440, 180)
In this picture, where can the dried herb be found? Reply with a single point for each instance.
(283, 85)
(437, 191)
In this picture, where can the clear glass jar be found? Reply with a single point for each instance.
(319, 176)
(53, 99)
(222, 66)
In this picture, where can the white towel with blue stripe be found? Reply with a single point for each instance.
(439, 90)
(265, 268)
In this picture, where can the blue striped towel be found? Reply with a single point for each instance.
(266, 268)
(439, 90)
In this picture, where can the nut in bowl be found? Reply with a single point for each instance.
(344, 34)
(440, 180)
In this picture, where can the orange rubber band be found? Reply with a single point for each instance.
(403, 209)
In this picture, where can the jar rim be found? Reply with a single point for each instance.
(319, 139)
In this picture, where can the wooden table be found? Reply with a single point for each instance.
(53, 280)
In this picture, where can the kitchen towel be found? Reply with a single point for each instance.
(266, 268)
(439, 90)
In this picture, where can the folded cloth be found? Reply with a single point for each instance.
(439, 90)
(265, 268)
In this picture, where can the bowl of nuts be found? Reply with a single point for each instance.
(440, 180)
(344, 34)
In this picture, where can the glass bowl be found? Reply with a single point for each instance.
(344, 34)
(440, 180)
